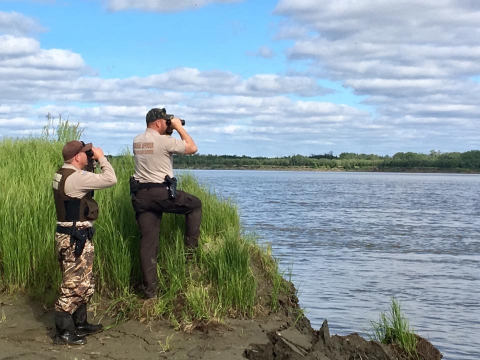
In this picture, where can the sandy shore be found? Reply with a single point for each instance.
(27, 329)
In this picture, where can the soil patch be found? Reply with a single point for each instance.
(27, 329)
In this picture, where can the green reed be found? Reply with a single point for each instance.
(217, 282)
(393, 328)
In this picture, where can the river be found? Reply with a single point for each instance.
(351, 241)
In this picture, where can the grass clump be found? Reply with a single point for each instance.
(230, 274)
(393, 329)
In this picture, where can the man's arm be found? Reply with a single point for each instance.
(79, 183)
(190, 147)
(105, 179)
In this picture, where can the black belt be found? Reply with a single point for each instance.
(151, 185)
(78, 237)
(87, 232)
(69, 229)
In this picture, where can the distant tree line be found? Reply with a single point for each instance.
(401, 161)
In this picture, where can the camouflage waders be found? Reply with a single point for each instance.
(77, 274)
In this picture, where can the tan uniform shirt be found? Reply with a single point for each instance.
(153, 155)
(81, 182)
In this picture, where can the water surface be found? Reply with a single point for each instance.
(352, 241)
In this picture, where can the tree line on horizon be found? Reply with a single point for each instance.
(434, 161)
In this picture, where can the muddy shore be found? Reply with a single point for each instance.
(27, 329)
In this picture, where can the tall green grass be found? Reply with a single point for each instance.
(393, 328)
(218, 282)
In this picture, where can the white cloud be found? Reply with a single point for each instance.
(56, 74)
(409, 58)
(291, 31)
(411, 62)
(13, 46)
(162, 5)
(53, 60)
(18, 24)
(274, 84)
(23, 62)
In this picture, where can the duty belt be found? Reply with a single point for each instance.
(151, 185)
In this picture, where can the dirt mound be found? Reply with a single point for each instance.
(296, 339)
(303, 343)
(426, 350)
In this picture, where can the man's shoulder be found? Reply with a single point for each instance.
(78, 173)
(148, 136)
(139, 137)
(68, 169)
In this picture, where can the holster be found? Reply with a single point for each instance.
(78, 237)
(171, 186)
(134, 186)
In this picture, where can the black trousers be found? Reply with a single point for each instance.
(149, 205)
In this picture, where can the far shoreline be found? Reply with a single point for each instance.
(371, 170)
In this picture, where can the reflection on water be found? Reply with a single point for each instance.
(354, 240)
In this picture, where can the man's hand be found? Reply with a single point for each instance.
(97, 153)
(175, 123)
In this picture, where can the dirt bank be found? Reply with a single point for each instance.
(26, 331)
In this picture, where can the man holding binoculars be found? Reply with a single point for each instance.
(73, 186)
(153, 189)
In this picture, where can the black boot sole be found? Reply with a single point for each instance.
(59, 341)
(84, 333)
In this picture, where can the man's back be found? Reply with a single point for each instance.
(153, 156)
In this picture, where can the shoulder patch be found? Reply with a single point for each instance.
(83, 172)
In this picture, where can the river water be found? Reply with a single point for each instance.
(352, 241)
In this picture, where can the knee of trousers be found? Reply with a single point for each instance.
(75, 291)
(69, 304)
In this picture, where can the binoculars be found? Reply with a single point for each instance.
(169, 121)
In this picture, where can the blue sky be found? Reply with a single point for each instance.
(257, 78)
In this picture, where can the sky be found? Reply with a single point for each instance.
(250, 77)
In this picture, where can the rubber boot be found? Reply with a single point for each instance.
(191, 246)
(83, 328)
(65, 330)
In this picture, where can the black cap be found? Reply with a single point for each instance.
(156, 113)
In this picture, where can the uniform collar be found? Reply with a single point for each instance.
(152, 131)
(69, 166)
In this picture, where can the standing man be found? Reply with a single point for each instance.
(154, 190)
(76, 210)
